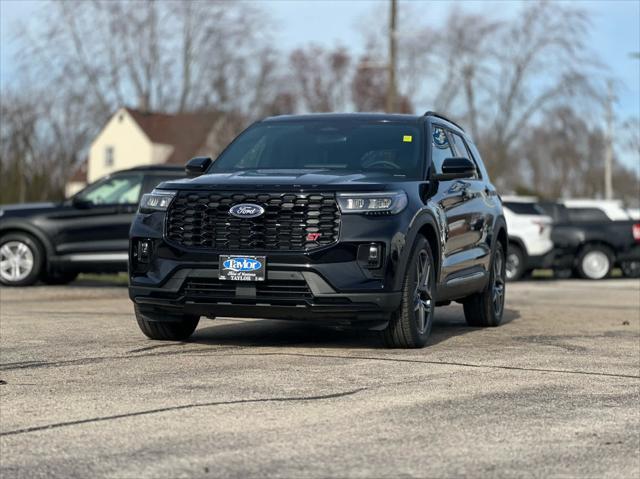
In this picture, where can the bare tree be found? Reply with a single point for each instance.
(545, 46)
(563, 157)
(322, 77)
(369, 88)
(170, 55)
(497, 77)
(81, 61)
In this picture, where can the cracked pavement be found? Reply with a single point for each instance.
(554, 391)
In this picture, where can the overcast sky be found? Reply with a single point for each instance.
(615, 33)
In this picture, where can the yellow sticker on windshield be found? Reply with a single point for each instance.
(407, 138)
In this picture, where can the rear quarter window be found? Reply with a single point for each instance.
(440, 147)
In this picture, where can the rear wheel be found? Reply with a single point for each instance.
(595, 262)
(487, 307)
(166, 327)
(21, 259)
(410, 326)
(515, 262)
(630, 269)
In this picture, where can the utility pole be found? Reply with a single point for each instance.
(608, 154)
(391, 87)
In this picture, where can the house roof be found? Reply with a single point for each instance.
(186, 132)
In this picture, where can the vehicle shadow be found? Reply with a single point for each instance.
(448, 323)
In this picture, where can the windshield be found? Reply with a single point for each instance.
(389, 148)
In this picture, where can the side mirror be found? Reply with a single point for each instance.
(457, 168)
(198, 165)
(81, 204)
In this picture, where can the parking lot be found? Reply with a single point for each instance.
(554, 391)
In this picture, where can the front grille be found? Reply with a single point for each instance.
(274, 292)
(202, 220)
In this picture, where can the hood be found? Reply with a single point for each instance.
(25, 209)
(287, 180)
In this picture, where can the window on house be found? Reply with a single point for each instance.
(108, 156)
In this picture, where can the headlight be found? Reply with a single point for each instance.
(157, 200)
(392, 202)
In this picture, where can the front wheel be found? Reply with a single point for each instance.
(487, 307)
(166, 328)
(410, 326)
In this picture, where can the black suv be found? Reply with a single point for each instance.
(351, 219)
(89, 232)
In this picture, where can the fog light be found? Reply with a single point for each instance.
(370, 255)
(374, 256)
(144, 251)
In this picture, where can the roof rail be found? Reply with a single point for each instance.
(442, 117)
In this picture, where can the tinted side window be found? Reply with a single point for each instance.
(461, 149)
(478, 159)
(557, 212)
(120, 189)
(587, 215)
(440, 147)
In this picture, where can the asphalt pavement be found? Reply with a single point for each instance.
(553, 392)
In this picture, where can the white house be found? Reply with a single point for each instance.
(136, 138)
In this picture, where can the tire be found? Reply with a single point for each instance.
(516, 262)
(630, 269)
(595, 262)
(156, 325)
(59, 277)
(485, 309)
(411, 324)
(21, 259)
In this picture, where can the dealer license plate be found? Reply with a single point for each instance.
(243, 268)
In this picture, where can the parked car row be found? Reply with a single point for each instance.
(587, 238)
(53, 242)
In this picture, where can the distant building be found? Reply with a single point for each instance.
(135, 138)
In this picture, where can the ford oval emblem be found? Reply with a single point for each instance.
(242, 264)
(246, 210)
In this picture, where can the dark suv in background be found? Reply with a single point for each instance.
(350, 219)
(590, 243)
(89, 232)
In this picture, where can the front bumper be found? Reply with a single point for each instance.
(287, 293)
(332, 282)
